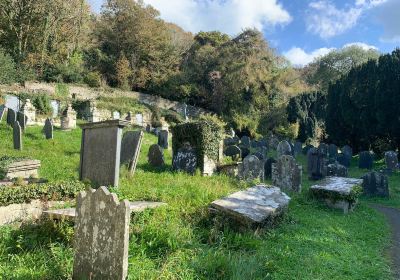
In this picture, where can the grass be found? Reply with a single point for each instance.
(182, 241)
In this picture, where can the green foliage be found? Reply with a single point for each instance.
(62, 90)
(8, 72)
(93, 79)
(5, 162)
(42, 104)
(352, 197)
(120, 104)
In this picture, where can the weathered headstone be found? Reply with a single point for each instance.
(101, 236)
(245, 141)
(333, 151)
(298, 148)
(254, 144)
(30, 111)
(68, 118)
(163, 139)
(130, 149)
(148, 128)
(366, 160)
(344, 160)
(263, 143)
(17, 136)
(22, 119)
(307, 148)
(48, 129)
(3, 110)
(233, 151)
(101, 151)
(185, 159)
(273, 142)
(283, 148)
(287, 174)
(251, 168)
(391, 160)
(347, 150)
(11, 117)
(259, 155)
(323, 148)
(375, 184)
(337, 170)
(156, 155)
(268, 167)
(245, 152)
(316, 164)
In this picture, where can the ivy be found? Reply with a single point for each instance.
(335, 196)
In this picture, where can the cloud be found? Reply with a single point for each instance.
(364, 46)
(388, 15)
(229, 16)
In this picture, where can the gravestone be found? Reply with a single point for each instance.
(68, 118)
(333, 151)
(307, 148)
(259, 155)
(347, 150)
(130, 149)
(268, 167)
(185, 159)
(251, 168)
(375, 184)
(323, 148)
(391, 160)
(163, 139)
(3, 110)
(263, 143)
(22, 119)
(101, 151)
(231, 141)
(298, 148)
(245, 152)
(366, 160)
(273, 142)
(30, 111)
(48, 129)
(344, 160)
(316, 164)
(101, 236)
(254, 144)
(287, 174)
(337, 170)
(17, 136)
(11, 117)
(283, 148)
(245, 141)
(233, 151)
(156, 155)
(128, 116)
(148, 128)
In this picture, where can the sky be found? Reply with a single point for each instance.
(301, 30)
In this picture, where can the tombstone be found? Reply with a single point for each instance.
(337, 170)
(148, 128)
(344, 160)
(268, 167)
(273, 143)
(231, 141)
(366, 160)
(17, 136)
(323, 148)
(245, 141)
(307, 148)
(375, 184)
(163, 139)
(68, 118)
(233, 151)
(316, 164)
(185, 159)
(101, 236)
(298, 148)
(22, 119)
(263, 143)
(254, 144)
(101, 151)
(252, 168)
(245, 152)
(287, 174)
(48, 129)
(283, 148)
(30, 111)
(348, 151)
(391, 160)
(259, 155)
(11, 117)
(263, 150)
(130, 149)
(332, 151)
(3, 110)
(156, 155)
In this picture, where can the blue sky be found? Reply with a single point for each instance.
(299, 29)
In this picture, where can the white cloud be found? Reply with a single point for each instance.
(389, 17)
(229, 16)
(364, 46)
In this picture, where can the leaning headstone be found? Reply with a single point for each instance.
(22, 119)
(233, 151)
(332, 151)
(298, 148)
(130, 149)
(48, 129)
(185, 159)
(391, 160)
(156, 155)
(251, 168)
(366, 160)
(316, 164)
(101, 151)
(11, 117)
(101, 236)
(337, 170)
(3, 110)
(283, 148)
(287, 174)
(375, 184)
(268, 167)
(17, 136)
(245, 141)
(163, 139)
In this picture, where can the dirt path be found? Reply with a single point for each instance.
(393, 216)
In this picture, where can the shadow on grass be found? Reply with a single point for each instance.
(31, 136)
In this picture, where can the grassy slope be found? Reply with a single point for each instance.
(182, 241)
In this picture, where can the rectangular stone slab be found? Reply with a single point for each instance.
(340, 185)
(255, 205)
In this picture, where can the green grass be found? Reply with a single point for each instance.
(182, 240)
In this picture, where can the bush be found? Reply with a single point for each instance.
(92, 79)
(8, 72)
(42, 104)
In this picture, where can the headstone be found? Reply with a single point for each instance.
(48, 129)
(24, 168)
(17, 136)
(231, 141)
(375, 184)
(245, 152)
(101, 236)
(283, 148)
(30, 111)
(263, 143)
(3, 110)
(323, 148)
(128, 116)
(298, 148)
(391, 160)
(347, 150)
(268, 167)
(337, 170)
(22, 119)
(291, 148)
(185, 159)
(234, 152)
(333, 151)
(130, 149)
(254, 144)
(245, 141)
(259, 155)
(148, 128)
(366, 160)
(344, 160)
(156, 155)
(252, 168)
(273, 142)
(307, 148)
(101, 151)
(163, 139)
(287, 174)
(68, 118)
(11, 117)
(316, 164)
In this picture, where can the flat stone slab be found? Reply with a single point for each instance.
(255, 205)
(340, 185)
(69, 213)
(22, 168)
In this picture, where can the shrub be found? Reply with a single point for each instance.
(8, 72)
(92, 79)
(42, 104)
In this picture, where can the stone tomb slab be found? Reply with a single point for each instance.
(24, 168)
(258, 205)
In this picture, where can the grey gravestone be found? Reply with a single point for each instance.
(375, 184)
(130, 149)
(101, 151)
(245, 152)
(163, 139)
(298, 148)
(156, 155)
(316, 164)
(391, 160)
(48, 129)
(283, 148)
(22, 119)
(254, 144)
(273, 143)
(291, 148)
(287, 174)
(233, 151)
(3, 110)
(263, 143)
(307, 148)
(101, 236)
(347, 150)
(259, 155)
(366, 160)
(323, 148)
(344, 160)
(11, 116)
(268, 167)
(17, 136)
(185, 159)
(231, 141)
(333, 151)
(251, 168)
(245, 141)
(337, 170)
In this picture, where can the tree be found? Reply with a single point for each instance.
(123, 72)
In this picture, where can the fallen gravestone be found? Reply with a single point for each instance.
(234, 152)
(366, 160)
(156, 155)
(17, 136)
(101, 236)
(252, 168)
(337, 170)
(245, 141)
(283, 148)
(22, 119)
(185, 159)
(3, 110)
(259, 205)
(268, 168)
(333, 151)
(11, 117)
(130, 149)
(163, 139)
(287, 174)
(48, 129)
(391, 160)
(375, 184)
(316, 164)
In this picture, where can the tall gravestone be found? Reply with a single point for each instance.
(332, 151)
(163, 139)
(287, 174)
(156, 155)
(251, 168)
(268, 167)
(22, 119)
(283, 148)
(130, 149)
(101, 236)
(17, 136)
(316, 164)
(48, 129)
(11, 117)
(100, 152)
(347, 150)
(366, 160)
(391, 160)
(185, 159)
(233, 151)
(3, 110)
(375, 184)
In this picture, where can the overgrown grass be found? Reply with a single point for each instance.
(182, 240)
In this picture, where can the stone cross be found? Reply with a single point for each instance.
(11, 117)
(283, 148)
(156, 155)
(22, 119)
(251, 168)
(48, 129)
(130, 149)
(101, 237)
(163, 139)
(17, 136)
(287, 174)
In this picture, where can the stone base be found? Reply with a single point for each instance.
(344, 205)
